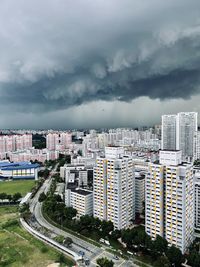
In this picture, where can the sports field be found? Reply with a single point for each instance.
(12, 187)
(18, 248)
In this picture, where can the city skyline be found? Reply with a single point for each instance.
(78, 65)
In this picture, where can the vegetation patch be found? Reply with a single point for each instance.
(12, 187)
(18, 248)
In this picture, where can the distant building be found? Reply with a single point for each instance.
(168, 140)
(186, 129)
(58, 140)
(197, 199)
(40, 155)
(10, 143)
(178, 133)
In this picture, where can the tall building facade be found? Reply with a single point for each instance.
(10, 143)
(197, 200)
(168, 140)
(113, 183)
(185, 133)
(58, 141)
(139, 192)
(170, 200)
(178, 133)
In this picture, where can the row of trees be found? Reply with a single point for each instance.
(37, 187)
(57, 211)
(104, 262)
(158, 249)
(11, 198)
(44, 173)
(62, 160)
(136, 239)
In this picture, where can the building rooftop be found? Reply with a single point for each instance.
(81, 191)
(18, 165)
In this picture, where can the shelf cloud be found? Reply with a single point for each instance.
(59, 55)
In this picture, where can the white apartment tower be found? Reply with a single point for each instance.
(197, 145)
(170, 200)
(185, 133)
(197, 200)
(114, 188)
(178, 133)
(168, 140)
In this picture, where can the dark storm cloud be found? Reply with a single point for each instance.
(58, 54)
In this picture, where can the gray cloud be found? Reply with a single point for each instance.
(61, 54)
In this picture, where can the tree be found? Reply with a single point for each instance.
(127, 237)
(3, 196)
(70, 213)
(67, 241)
(104, 262)
(106, 227)
(16, 197)
(162, 262)
(116, 234)
(9, 197)
(160, 244)
(86, 221)
(62, 259)
(136, 236)
(194, 259)
(58, 198)
(42, 197)
(175, 256)
(96, 223)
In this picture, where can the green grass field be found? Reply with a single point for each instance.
(11, 187)
(18, 248)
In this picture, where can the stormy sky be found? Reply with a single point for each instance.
(97, 63)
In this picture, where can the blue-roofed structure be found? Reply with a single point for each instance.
(19, 170)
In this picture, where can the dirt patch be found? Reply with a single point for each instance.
(54, 265)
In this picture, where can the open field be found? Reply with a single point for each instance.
(12, 187)
(18, 248)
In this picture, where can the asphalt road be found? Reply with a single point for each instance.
(91, 252)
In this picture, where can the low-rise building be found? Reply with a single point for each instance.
(18, 170)
(80, 199)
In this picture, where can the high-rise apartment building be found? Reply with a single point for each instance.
(168, 140)
(114, 188)
(185, 133)
(197, 145)
(58, 140)
(139, 192)
(197, 199)
(178, 133)
(170, 200)
(10, 143)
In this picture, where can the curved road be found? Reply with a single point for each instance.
(91, 252)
